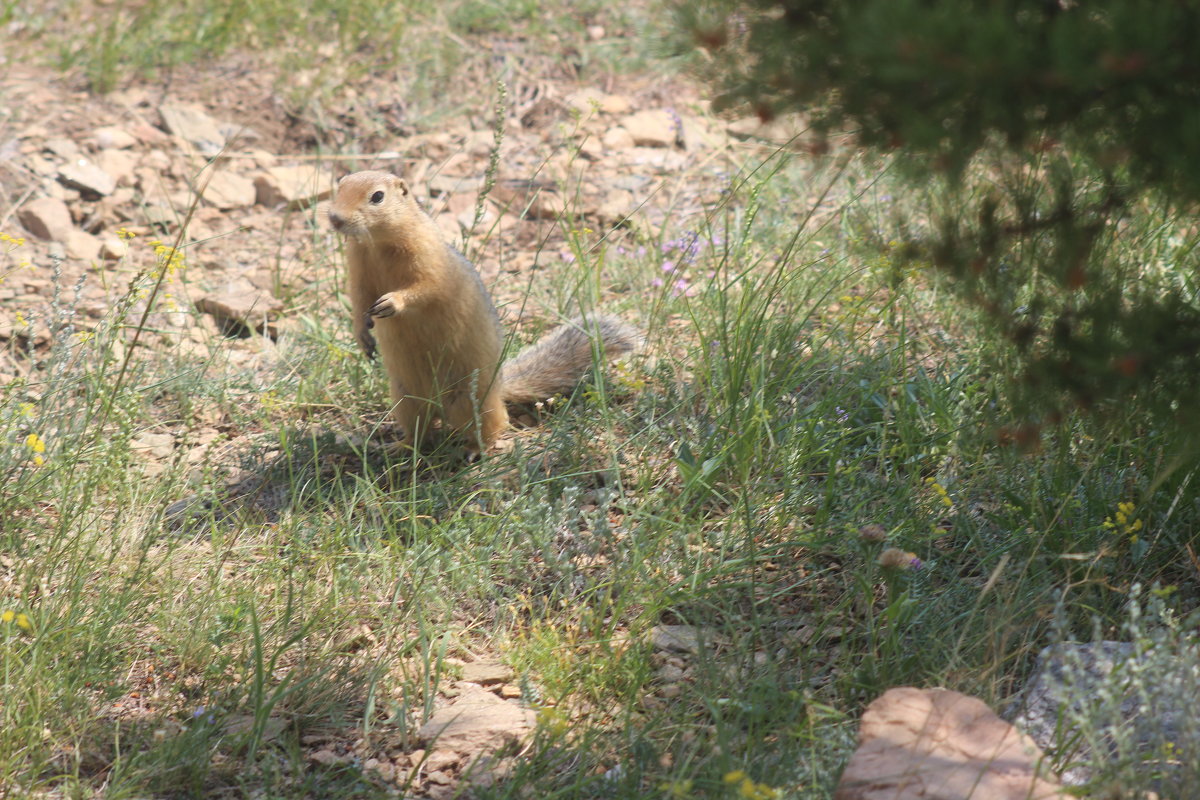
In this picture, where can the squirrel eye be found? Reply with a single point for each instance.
(377, 198)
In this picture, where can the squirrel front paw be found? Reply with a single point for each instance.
(387, 306)
(365, 340)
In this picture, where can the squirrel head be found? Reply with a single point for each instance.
(371, 203)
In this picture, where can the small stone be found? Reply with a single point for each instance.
(530, 199)
(153, 445)
(47, 218)
(617, 138)
(325, 756)
(112, 248)
(83, 246)
(510, 691)
(442, 760)
(670, 673)
(63, 147)
(439, 777)
(653, 128)
(585, 101)
(616, 104)
(112, 136)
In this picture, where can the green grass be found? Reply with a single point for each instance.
(803, 384)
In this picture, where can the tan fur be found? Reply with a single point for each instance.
(438, 333)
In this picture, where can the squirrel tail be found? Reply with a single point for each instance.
(558, 361)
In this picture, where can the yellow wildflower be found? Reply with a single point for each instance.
(21, 619)
(37, 446)
(677, 790)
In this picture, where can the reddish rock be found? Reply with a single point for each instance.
(936, 744)
(47, 218)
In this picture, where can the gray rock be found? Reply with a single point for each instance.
(87, 177)
(189, 122)
(682, 638)
(1104, 702)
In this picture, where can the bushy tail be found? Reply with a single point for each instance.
(559, 360)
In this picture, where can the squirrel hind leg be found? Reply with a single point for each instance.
(481, 423)
(414, 418)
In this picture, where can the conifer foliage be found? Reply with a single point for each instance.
(1063, 139)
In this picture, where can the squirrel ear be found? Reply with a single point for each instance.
(402, 185)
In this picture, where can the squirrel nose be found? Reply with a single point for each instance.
(336, 220)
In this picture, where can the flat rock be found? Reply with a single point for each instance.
(936, 744)
(476, 721)
(47, 218)
(295, 187)
(239, 302)
(530, 199)
(111, 136)
(487, 673)
(229, 190)
(653, 128)
(87, 177)
(153, 445)
(191, 123)
(681, 638)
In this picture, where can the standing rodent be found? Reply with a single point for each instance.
(438, 333)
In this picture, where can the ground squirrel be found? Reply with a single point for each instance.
(438, 333)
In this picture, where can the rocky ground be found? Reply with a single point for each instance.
(93, 188)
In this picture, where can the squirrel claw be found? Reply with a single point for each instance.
(385, 306)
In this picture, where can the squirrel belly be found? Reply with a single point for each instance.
(424, 307)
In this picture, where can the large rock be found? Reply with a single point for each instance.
(936, 744)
